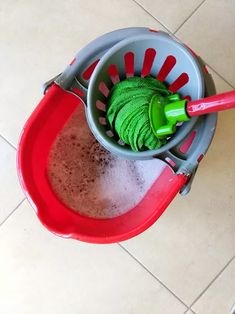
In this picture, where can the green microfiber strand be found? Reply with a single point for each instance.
(120, 99)
(128, 111)
(138, 82)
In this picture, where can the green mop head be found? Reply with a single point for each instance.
(137, 112)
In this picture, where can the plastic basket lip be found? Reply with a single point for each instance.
(37, 137)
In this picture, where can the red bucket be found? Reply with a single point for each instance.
(41, 131)
(37, 138)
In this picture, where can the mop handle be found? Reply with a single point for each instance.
(211, 104)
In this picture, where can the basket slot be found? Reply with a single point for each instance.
(100, 105)
(170, 162)
(113, 74)
(121, 143)
(102, 121)
(179, 82)
(166, 68)
(129, 59)
(78, 91)
(149, 57)
(153, 30)
(110, 133)
(187, 144)
(200, 157)
(103, 89)
(88, 72)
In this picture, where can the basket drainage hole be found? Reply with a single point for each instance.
(102, 121)
(153, 30)
(129, 59)
(78, 92)
(100, 105)
(110, 133)
(103, 89)
(113, 74)
(166, 68)
(170, 162)
(88, 72)
(149, 57)
(121, 143)
(187, 144)
(179, 82)
(200, 157)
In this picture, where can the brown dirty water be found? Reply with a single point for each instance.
(90, 180)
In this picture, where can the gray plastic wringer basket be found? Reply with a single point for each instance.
(140, 51)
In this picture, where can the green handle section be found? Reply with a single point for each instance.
(164, 117)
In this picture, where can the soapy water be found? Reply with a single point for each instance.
(91, 181)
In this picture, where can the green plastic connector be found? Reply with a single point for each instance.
(164, 117)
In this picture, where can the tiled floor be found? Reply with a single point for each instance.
(185, 262)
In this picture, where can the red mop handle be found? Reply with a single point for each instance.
(211, 104)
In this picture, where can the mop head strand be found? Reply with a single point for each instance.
(128, 111)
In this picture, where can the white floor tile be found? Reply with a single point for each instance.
(210, 31)
(195, 237)
(10, 191)
(220, 296)
(39, 38)
(220, 84)
(171, 13)
(44, 273)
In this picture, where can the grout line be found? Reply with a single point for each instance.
(174, 33)
(207, 64)
(148, 271)
(146, 11)
(190, 15)
(7, 142)
(12, 212)
(189, 310)
(219, 75)
(212, 281)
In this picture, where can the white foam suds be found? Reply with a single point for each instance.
(90, 180)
